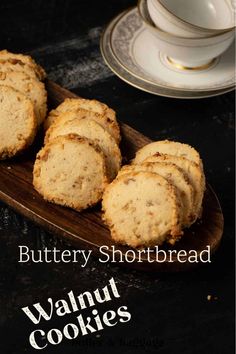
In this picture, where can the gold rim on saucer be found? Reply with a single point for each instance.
(138, 83)
(148, 80)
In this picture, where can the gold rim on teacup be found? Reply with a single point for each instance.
(150, 24)
(193, 25)
(197, 52)
(138, 83)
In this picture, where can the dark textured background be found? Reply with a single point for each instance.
(170, 313)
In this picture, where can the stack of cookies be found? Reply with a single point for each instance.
(153, 199)
(23, 102)
(81, 153)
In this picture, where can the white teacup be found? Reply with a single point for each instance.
(191, 53)
(192, 18)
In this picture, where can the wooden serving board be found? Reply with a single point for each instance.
(86, 230)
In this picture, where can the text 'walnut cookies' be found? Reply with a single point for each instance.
(138, 210)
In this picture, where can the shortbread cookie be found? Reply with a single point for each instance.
(106, 123)
(17, 122)
(71, 104)
(94, 131)
(169, 148)
(32, 88)
(6, 66)
(70, 171)
(141, 209)
(22, 59)
(176, 177)
(195, 175)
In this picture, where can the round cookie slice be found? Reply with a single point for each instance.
(9, 65)
(176, 177)
(30, 87)
(141, 209)
(94, 131)
(71, 104)
(22, 59)
(169, 148)
(106, 123)
(70, 171)
(195, 175)
(17, 122)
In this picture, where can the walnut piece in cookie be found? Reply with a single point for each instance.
(134, 220)
(18, 126)
(70, 170)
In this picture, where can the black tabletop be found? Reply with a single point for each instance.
(171, 313)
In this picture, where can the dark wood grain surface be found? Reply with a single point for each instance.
(170, 312)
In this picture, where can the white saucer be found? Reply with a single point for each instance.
(135, 48)
(143, 79)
